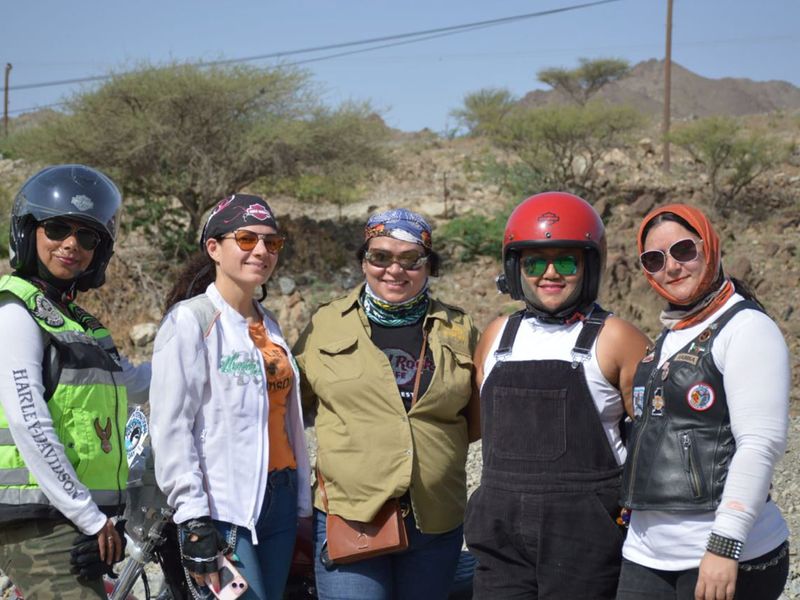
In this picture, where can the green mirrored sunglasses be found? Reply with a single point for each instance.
(535, 266)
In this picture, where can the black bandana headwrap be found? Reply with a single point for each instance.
(235, 212)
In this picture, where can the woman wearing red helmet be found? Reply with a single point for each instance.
(554, 382)
(711, 413)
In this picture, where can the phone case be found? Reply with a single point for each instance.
(232, 584)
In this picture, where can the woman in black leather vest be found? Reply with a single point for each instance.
(711, 408)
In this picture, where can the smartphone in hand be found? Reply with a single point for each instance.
(231, 583)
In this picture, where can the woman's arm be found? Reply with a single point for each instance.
(754, 360)
(180, 371)
(30, 422)
(620, 348)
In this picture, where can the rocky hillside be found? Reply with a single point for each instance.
(691, 94)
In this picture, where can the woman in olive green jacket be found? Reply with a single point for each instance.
(376, 438)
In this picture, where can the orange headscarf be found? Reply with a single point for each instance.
(713, 262)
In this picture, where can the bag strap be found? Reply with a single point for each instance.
(420, 366)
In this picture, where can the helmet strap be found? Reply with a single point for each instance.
(571, 311)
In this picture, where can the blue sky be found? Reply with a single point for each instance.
(413, 85)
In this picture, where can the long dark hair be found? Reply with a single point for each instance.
(193, 280)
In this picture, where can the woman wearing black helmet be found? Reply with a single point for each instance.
(63, 394)
(554, 382)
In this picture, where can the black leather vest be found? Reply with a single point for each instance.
(682, 442)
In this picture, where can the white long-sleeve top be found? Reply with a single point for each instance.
(22, 349)
(753, 358)
(209, 416)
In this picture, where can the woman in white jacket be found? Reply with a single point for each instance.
(226, 420)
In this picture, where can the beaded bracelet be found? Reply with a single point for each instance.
(725, 547)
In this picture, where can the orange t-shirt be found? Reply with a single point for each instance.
(279, 383)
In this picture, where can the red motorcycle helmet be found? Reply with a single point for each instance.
(554, 220)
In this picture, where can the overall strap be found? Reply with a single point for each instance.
(509, 333)
(582, 351)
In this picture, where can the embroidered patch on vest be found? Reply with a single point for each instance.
(700, 397)
(638, 401)
(705, 336)
(665, 371)
(658, 403)
(648, 358)
(104, 433)
(686, 357)
(136, 432)
(47, 312)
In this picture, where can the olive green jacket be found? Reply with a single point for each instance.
(369, 448)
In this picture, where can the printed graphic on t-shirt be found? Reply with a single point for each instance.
(279, 370)
(405, 370)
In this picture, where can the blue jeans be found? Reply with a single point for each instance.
(265, 566)
(425, 570)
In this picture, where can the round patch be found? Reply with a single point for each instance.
(136, 432)
(700, 397)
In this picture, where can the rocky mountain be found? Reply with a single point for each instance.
(692, 95)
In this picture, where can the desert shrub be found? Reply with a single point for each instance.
(584, 81)
(733, 158)
(477, 235)
(560, 147)
(484, 110)
(178, 139)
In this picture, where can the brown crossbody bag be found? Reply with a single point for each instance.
(349, 541)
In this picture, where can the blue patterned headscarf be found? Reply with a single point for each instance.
(400, 224)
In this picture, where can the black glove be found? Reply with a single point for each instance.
(201, 546)
(85, 555)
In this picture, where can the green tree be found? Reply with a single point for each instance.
(583, 82)
(179, 138)
(484, 110)
(560, 146)
(733, 158)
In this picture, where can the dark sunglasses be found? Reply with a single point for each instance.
(409, 261)
(535, 266)
(682, 251)
(247, 240)
(88, 239)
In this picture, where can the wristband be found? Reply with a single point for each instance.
(725, 547)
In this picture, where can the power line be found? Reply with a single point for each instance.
(425, 32)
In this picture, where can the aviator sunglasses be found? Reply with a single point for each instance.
(247, 240)
(409, 261)
(683, 251)
(88, 239)
(535, 266)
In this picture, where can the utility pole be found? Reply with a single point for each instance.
(667, 86)
(5, 100)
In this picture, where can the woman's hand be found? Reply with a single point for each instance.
(109, 543)
(200, 550)
(717, 578)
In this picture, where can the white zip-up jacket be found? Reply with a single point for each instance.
(209, 415)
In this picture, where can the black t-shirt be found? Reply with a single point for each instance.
(402, 346)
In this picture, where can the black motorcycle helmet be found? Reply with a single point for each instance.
(74, 191)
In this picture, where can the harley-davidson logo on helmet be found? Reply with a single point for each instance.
(549, 218)
(82, 202)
